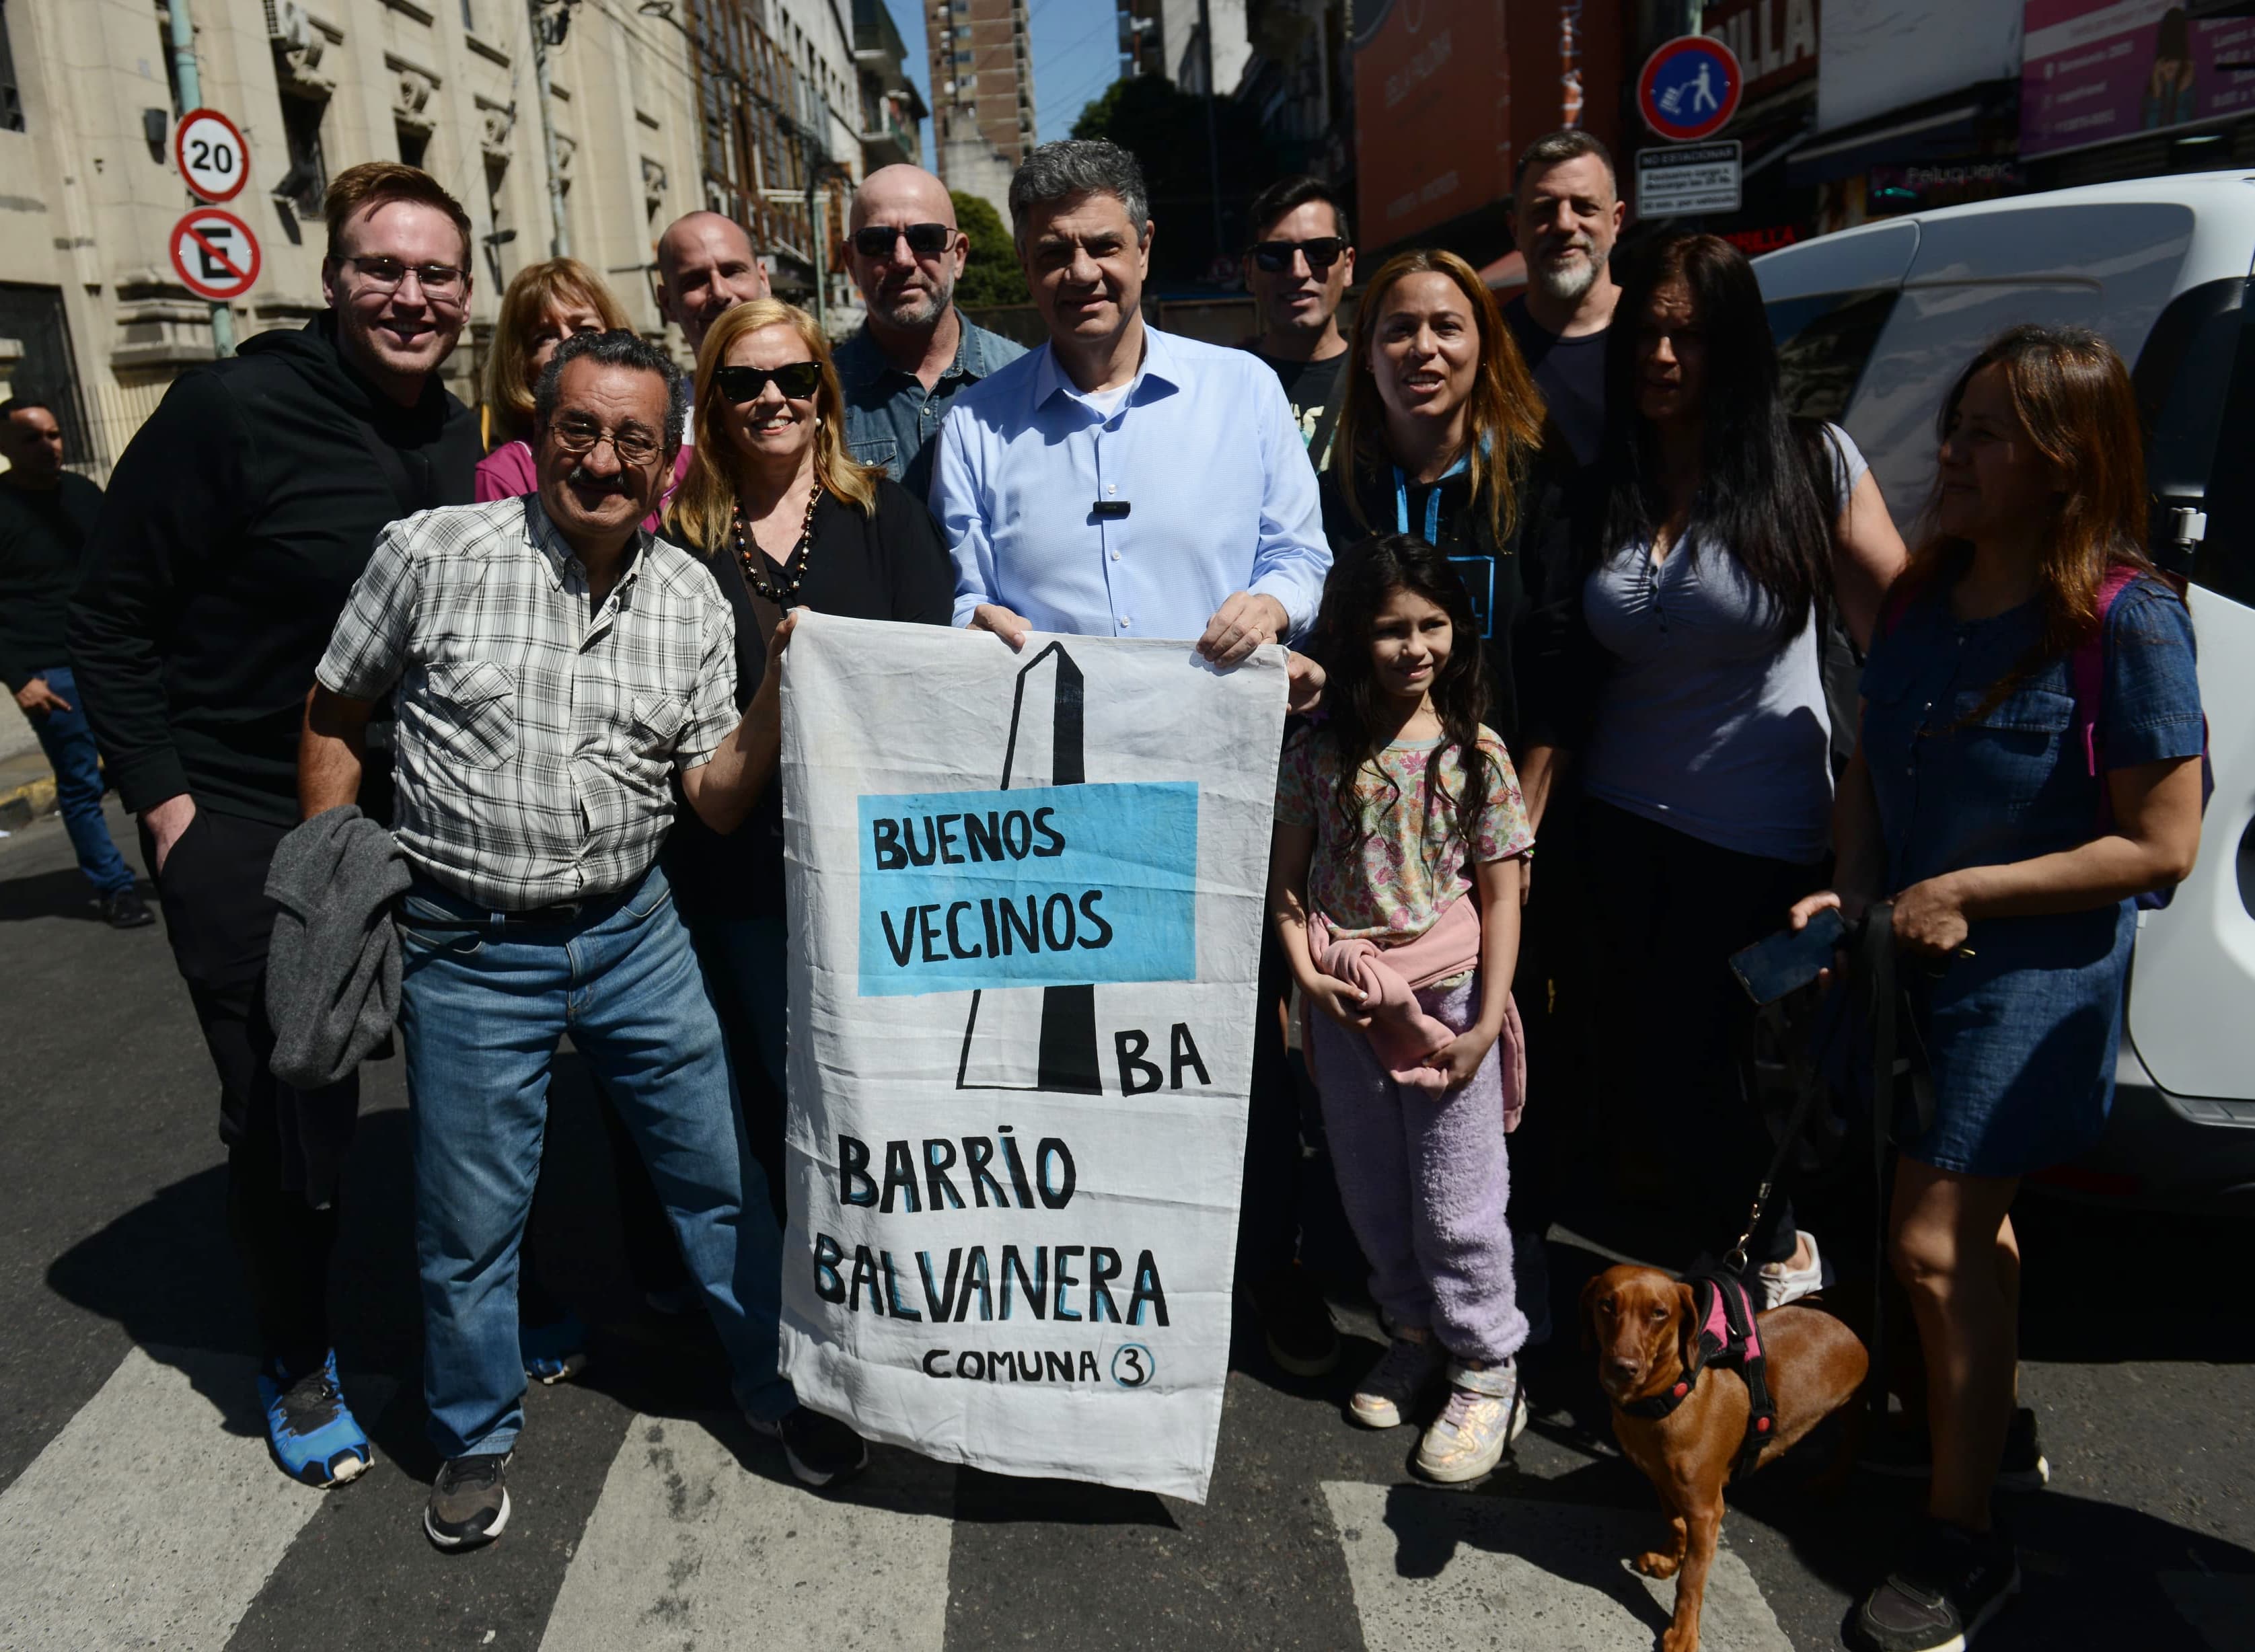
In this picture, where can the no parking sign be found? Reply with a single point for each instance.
(214, 254)
(1690, 88)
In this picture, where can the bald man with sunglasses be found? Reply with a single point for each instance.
(904, 366)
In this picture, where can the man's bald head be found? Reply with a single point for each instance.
(908, 290)
(902, 187)
(706, 265)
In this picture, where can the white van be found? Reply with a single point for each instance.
(1872, 326)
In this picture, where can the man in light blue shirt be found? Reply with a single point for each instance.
(1119, 480)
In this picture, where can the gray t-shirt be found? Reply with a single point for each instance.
(1704, 724)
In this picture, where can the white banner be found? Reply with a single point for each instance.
(1026, 897)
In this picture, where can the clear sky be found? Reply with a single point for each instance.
(1076, 56)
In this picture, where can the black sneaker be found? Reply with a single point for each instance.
(469, 1504)
(1906, 1451)
(1942, 1595)
(820, 1449)
(1296, 1323)
(124, 909)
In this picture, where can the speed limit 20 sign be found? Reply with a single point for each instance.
(211, 154)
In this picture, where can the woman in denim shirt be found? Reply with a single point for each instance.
(2014, 847)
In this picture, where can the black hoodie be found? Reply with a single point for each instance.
(234, 526)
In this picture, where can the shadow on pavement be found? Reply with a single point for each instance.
(62, 893)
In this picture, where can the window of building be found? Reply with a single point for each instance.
(12, 100)
(470, 17)
(414, 143)
(307, 180)
(34, 316)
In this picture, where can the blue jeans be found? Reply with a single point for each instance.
(69, 745)
(481, 1010)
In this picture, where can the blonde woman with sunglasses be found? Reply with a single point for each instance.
(783, 519)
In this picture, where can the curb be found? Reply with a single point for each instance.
(20, 805)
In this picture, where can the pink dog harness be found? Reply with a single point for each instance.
(1727, 1335)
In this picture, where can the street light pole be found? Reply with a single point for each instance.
(559, 237)
(191, 97)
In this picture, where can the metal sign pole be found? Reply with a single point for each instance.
(191, 96)
(559, 235)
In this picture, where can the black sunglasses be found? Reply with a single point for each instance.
(1275, 257)
(875, 241)
(796, 380)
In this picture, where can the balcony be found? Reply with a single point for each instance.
(889, 141)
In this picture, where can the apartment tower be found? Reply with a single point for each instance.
(982, 94)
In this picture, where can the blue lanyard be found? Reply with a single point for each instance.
(1432, 500)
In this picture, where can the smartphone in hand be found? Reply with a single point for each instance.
(1771, 968)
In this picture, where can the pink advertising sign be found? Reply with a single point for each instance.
(2094, 71)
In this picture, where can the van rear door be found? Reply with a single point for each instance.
(2192, 979)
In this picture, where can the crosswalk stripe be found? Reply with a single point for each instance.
(1439, 1571)
(146, 1521)
(701, 1536)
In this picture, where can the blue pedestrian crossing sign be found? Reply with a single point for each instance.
(1690, 88)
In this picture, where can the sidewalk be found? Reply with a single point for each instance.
(27, 788)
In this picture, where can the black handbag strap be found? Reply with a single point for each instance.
(1875, 969)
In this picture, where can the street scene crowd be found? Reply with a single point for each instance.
(1561, 575)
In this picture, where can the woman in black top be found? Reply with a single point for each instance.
(783, 519)
(1442, 434)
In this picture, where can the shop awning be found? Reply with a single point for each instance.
(1945, 135)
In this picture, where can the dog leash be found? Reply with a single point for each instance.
(1875, 968)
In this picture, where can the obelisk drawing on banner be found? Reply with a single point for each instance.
(1057, 1023)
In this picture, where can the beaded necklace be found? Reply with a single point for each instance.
(755, 560)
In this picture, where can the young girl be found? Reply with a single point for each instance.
(1394, 886)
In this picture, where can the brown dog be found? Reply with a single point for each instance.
(1640, 1322)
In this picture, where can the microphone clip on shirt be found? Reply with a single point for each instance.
(1110, 509)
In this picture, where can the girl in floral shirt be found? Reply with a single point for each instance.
(1396, 890)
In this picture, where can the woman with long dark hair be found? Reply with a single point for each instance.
(2030, 762)
(1394, 884)
(1729, 530)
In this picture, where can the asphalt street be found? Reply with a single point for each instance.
(137, 1507)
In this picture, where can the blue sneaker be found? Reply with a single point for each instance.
(554, 1352)
(313, 1435)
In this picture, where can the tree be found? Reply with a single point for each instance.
(1164, 128)
(991, 275)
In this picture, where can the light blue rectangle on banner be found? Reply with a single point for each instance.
(1046, 886)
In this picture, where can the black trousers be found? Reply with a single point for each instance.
(1268, 1204)
(219, 921)
(1675, 1028)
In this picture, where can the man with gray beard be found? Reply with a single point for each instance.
(1566, 214)
(903, 367)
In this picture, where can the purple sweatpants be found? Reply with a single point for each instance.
(1425, 1180)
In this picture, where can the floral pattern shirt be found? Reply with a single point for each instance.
(1397, 881)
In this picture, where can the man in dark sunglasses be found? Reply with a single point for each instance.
(903, 367)
(1298, 269)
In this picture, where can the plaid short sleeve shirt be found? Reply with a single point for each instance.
(536, 735)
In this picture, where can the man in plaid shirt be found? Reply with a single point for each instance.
(555, 666)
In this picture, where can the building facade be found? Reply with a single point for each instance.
(87, 283)
(982, 94)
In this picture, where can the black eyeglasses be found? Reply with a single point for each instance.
(579, 436)
(1275, 257)
(875, 241)
(796, 380)
(446, 283)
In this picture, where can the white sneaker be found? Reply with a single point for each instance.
(1782, 1283)
(1395, 1383)
(1486, 1412)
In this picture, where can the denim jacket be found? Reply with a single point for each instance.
(890, 419)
